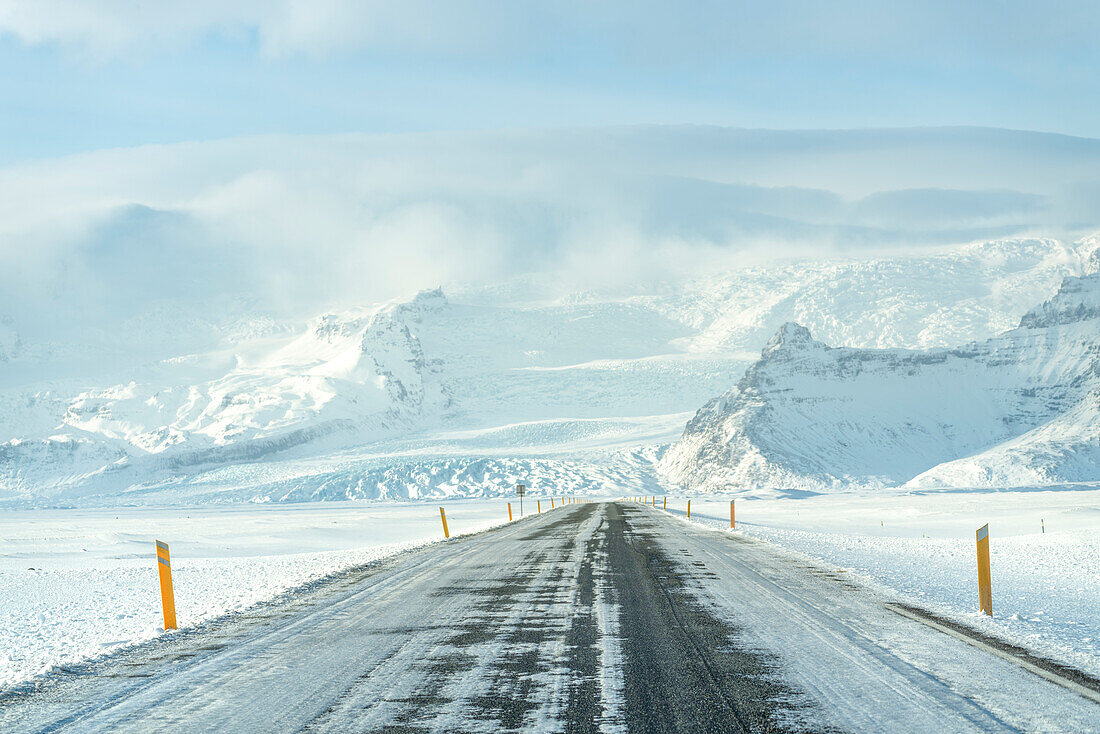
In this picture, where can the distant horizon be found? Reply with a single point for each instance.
(474, 131)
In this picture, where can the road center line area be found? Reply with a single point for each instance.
(596, 617)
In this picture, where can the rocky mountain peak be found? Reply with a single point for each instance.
(790, 336)
(1078, 299)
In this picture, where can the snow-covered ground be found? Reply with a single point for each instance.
(75, 584)
(920, 545)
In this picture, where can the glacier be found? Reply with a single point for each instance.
(464, 390)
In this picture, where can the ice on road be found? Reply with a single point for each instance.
(597, 617)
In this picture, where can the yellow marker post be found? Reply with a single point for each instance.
(167, 598)
(551, 503)
(732, 523)
(664, 505)
(689, 509)
(538, 504)
(985, 588)
(443, 517)
(509, 512)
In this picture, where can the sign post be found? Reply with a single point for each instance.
(521, 489)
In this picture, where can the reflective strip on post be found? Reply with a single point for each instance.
(985, 588)
(167, 597)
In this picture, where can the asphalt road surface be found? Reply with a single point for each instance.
(594, 617)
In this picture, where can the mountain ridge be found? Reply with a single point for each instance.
(597, 378)
(1017, 409)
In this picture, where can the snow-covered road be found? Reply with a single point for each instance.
(603, 616)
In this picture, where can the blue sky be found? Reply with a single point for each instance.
(78, 75)
(255, 199)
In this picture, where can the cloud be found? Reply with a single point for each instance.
(644, 31)
(300, 224)
(280, 27)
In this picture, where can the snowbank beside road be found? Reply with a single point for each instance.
(920, 545)
(75, 584)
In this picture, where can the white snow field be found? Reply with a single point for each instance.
(919, 545)
(75, 584)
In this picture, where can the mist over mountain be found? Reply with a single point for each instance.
(285, 227)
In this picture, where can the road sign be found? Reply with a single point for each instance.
(521, 489)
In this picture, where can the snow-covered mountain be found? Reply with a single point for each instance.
(458, 394)
(363, 374)
(1018, 409)
(930, 300)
